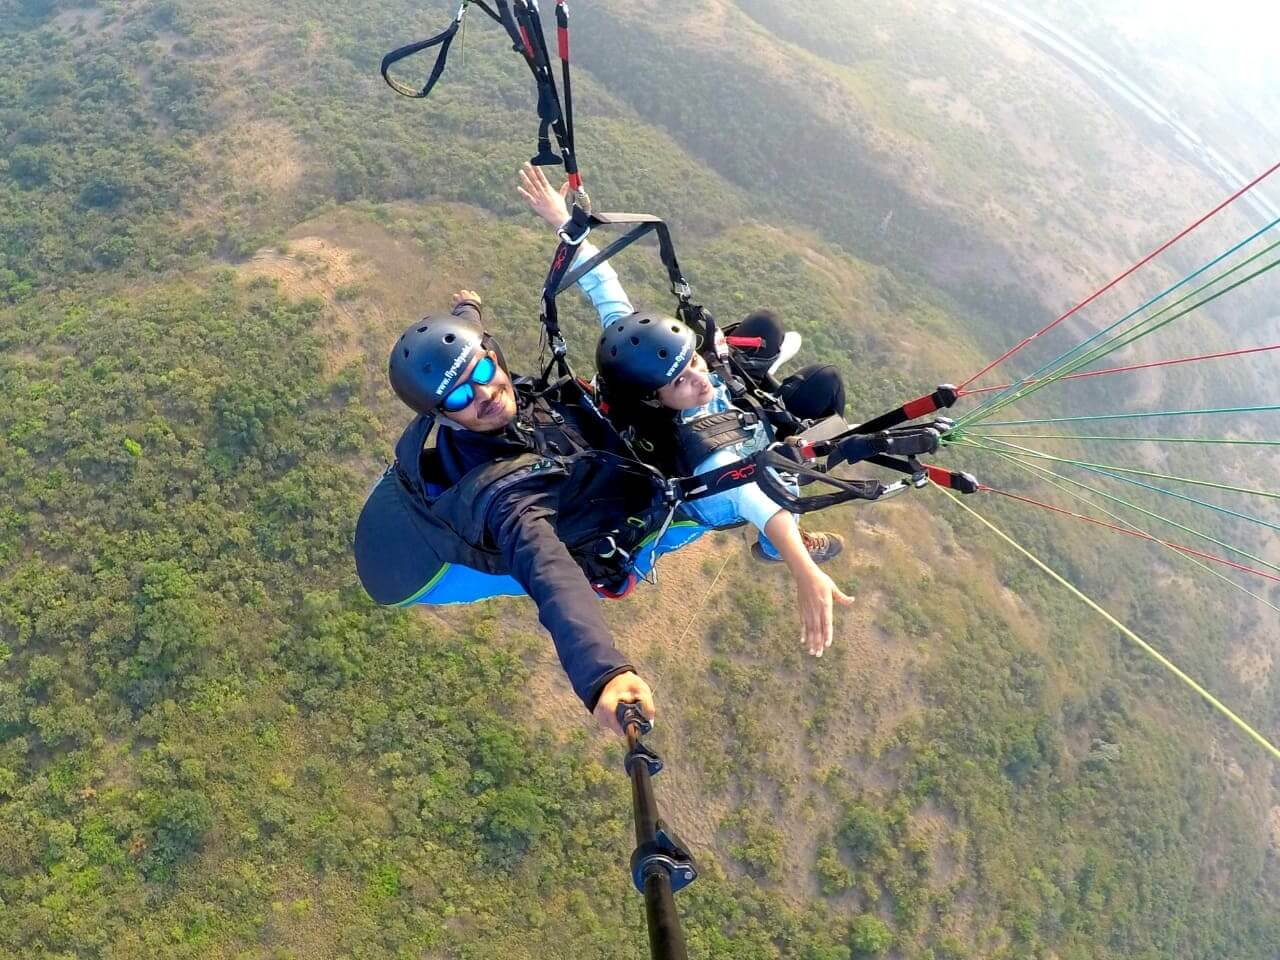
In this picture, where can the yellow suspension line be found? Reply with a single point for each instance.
(1152, 651)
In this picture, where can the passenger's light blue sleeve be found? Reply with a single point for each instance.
(756, 507)
(603, 288)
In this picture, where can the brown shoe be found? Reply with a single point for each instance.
(821, 546)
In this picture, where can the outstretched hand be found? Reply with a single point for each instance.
(815, 597)
(462, 295)
(543, 199)
(624, 688)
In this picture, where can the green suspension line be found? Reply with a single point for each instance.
(1068, 354)
(1263, 408)
(1142, 644)
(1112, 437)
(1122, 340)
(1133, 506)
(1144, 473)
(1217, 508)
(1048, 477)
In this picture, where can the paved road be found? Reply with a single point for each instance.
(1111, 81)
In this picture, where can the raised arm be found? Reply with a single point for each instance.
(601, 285)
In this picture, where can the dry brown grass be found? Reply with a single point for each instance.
(1252, 664)
(265, 154)
(372, 280)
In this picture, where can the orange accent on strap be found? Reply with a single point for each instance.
(919, 407)
(939, 475)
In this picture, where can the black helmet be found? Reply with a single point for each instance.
(644, 351)
(430, 356)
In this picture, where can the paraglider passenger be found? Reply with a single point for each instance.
(653, 379)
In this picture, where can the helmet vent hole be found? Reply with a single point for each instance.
(450, 337)
(613, 351)
(645, 319)
(406, 353)
(674, 328)
(423, 328)
(662, 354)
(635, 341)
(621, 328)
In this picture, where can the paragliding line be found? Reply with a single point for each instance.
(1133, 313)
(1149, 486)
(1133, 366)
(1214, 441)
(1132, 506)
(1148, 473)
(1145, 260)
(1131, 532)
(1134, 416)
(1048, 478)
(1120, 340)
(1142, 644)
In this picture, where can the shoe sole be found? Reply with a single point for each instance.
(791, 342)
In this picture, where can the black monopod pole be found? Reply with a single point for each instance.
(661, 865)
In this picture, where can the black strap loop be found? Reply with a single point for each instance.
(777, 491)
(443, 40)
(644, 224)
(523, 25)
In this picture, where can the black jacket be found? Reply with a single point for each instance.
(539, 521)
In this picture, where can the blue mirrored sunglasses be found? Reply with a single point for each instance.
(460, 397)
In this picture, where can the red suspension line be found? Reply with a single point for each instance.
(1134, 366)
(1128, 531)
(1145, 260)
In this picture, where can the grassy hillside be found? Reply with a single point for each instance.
(213, 219)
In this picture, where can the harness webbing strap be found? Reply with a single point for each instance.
(523, 25)
(643, 225)
(560, 276)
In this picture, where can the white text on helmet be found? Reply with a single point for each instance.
(679, 360)
(458, 363)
